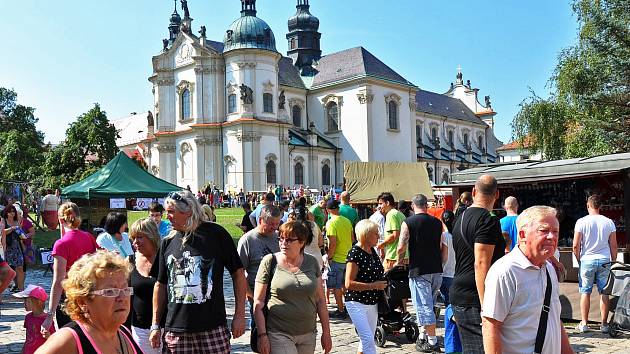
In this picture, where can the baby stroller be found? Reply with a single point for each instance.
(618, 287)
(392, 317)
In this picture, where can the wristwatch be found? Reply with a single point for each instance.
(154, 327)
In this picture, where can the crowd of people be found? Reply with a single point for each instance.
(156, 286)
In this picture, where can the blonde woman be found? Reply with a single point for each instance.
(145, 237)
(73, 245)
(98, 301)
(189, 287)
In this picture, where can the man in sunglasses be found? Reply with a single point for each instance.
(189, 287)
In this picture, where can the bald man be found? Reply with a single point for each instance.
(508, 223)
(346, 210)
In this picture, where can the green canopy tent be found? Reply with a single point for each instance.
(120, 178)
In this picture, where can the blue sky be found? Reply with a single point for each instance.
(63, 56)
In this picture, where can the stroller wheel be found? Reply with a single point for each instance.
(379, 336)
(411, 332)
(613, 330)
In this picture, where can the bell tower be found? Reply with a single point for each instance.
(303, 38)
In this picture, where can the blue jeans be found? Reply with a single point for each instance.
(424, 290)
(592, 272)
(445, 290)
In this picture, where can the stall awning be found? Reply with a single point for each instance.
(366, 180)
(529, 172)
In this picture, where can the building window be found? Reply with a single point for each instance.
(185, 97)
(267, 103)
(392, 110)
(325, 175)
(418, 135)
(430, 173)
(466, 140)
(480, 142)
(450, 137)
(298, 171)
(296, 112)
(270, 168)
(292, 43)
(232, 103)
(332, 116)
(445, 177)
(434, 133)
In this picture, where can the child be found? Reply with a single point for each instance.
(34, 298)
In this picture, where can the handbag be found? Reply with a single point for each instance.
(544, 316)
(253, 336)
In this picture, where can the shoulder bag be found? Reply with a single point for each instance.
(544, 316)
(253, 336)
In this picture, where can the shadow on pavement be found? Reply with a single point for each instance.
(15, 347)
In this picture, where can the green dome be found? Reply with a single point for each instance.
(249, 32)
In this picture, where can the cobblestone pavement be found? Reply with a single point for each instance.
(344, 338)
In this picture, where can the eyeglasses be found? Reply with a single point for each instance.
(176, 196)
(113, 292)
(287, 240)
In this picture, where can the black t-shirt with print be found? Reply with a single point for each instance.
(370, 270)
(193, 275)
(475, 225)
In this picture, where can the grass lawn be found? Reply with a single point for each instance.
(226, 217)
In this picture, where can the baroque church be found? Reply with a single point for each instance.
(240, 114)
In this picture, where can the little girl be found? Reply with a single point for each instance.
(34, 300)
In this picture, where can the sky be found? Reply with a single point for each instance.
(63, 56)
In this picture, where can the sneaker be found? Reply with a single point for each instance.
(424, 347)
(582, 328)
(605, 329)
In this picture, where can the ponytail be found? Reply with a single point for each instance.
(69, 215)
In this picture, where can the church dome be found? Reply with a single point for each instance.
(303, 19)
(249, 32)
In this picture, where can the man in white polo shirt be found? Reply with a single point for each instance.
(516, 286)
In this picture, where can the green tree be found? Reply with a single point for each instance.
(90, 143)
(588, 112)
(21, 144)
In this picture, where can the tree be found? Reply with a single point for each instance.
(21, 144)
(588, 112)
(90, 143)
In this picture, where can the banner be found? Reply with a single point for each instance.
(117, 203)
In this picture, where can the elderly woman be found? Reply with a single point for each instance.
(189, 287)
(364, 283)
(66, 251)
(115, 238)
(146, 238)
(296, 297)
(11, 243)
(98, 301)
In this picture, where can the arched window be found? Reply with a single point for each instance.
(480, 142)
(298, 171)
(434, 133)
(332, 116)
(445, 177)
(430, 173)
(267, 103)
(418, 135)
(270, 168)
(325, 175)
(450, 137)
(296, 112)
(466, 140)
(185, 97)
(232, 103)
(392, 112)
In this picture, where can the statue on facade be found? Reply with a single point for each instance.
(247, 95)
(460, 76)
(468, 83)
(488, 103)
(150, 120)
(281, 100)
(203, 31)
(185, 8)
(165, 44)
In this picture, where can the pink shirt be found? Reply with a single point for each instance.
(34, 338)
(74, 244)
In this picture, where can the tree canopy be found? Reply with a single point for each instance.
(588, 112)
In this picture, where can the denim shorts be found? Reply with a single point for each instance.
(336, 275)
(591, 272)
(424, 290)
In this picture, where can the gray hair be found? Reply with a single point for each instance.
(186, 203)
(534, 213)
(363, 229)
(419, 200)
(269, 211)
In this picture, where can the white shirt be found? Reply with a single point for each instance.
(110, 243)
(448, 268)
(595, 230)
(379, 219)
(515, 291)
(50, 202)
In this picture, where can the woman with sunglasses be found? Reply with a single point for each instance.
(296, 297)
(98, 301)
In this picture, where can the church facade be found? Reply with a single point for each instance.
(238, 113)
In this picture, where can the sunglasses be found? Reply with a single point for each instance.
(177, 197)
(287, 240)
(113, 292)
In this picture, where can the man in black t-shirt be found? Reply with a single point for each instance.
(246, 223)
(478, 243)
(189, 287)
(427, 250)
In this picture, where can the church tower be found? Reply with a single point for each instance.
(174, 25)
(304, 38)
